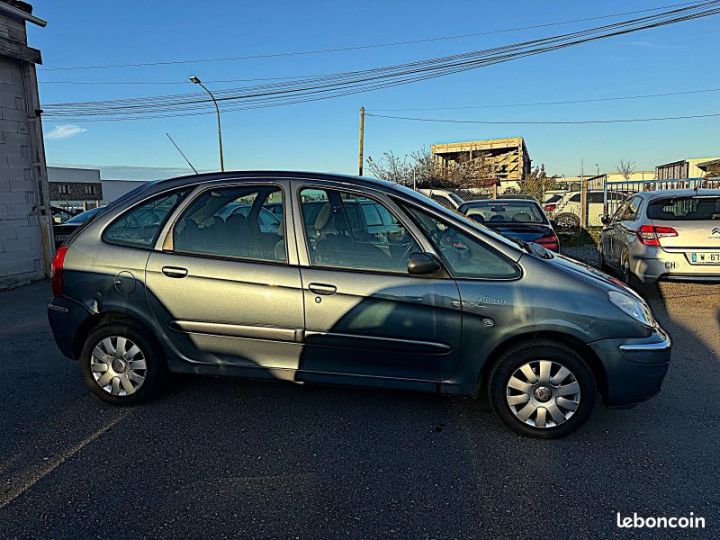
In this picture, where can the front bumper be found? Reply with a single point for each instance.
(634, 368)
(652, 263)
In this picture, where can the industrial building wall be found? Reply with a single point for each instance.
(23, 253)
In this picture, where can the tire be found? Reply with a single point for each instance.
(520, 410)
(131, 379)
(604, 266)
(567, 222)
(626, 275)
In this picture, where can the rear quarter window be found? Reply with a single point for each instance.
(140, 226)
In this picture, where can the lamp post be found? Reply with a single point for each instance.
(196, 80)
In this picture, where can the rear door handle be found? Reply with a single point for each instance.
(174, 271)
(322, 288)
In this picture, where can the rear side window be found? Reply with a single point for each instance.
(685, 209)
(140, 226)
(235, 222)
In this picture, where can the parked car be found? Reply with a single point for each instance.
(517, 219)
(567, 210)
(429, 301)
(61, 215)
(442, 196)
(62, 231)
(670, 234)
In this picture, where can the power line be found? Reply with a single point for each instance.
(547, 122)
(347, 83)
(542, 103)
(356, 47)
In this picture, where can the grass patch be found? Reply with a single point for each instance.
(583, 237)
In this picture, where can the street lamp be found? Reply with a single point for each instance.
(196, 80)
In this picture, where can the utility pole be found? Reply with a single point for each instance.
(361, 157)
(196, 80)
(583, 196)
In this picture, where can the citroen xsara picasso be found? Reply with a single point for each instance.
(358, 281)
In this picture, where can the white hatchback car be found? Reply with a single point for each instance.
(669, 234)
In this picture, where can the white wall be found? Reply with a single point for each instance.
(113, 189)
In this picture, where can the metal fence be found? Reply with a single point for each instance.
(611, 190)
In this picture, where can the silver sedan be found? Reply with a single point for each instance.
(669, 234)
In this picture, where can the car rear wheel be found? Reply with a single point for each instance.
(567, 223)
(542, 389)
(122, 365)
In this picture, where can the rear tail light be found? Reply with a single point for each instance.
(650, 235)
(550, 242)
(56, 271)
(550, 207)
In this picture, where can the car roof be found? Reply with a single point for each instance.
(161, 185)
(664, 193)
(530, 200)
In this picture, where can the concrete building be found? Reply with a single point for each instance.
(82, 189)
(684, 168)
(507, 159)
(72, 187)
(25, 229)
(711, 167)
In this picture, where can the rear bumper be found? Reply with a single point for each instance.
(66, 316)
(635, 368)
(656, 263)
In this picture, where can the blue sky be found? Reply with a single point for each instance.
(323, 135)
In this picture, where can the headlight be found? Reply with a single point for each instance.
(637, 309)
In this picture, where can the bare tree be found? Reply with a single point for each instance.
(391, 167)
(537, 182)
(625, 168)
(427, 172)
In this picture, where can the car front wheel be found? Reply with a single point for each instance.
(542, 389)
(122, 365)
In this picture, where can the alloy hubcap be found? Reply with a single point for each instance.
(118, 366)
(543, 394)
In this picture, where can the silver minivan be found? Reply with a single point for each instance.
(354, 281)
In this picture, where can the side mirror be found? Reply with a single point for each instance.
(605, 219)
(423, 264)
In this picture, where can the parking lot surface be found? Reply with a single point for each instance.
(215, 457)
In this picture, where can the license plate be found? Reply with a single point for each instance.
(704, 258)
(60, 237)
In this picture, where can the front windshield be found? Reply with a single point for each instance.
(499, 212)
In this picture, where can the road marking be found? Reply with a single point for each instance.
(49, 466)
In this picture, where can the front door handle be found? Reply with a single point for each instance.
(322, 288)
(174, 271)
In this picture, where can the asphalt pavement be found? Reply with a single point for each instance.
(231, 458)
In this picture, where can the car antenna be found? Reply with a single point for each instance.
(181, 152)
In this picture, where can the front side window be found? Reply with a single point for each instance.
(464, 255)
(233, 222)
(346, 230)
(632, 209)
(617, 216)
(140, 226)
